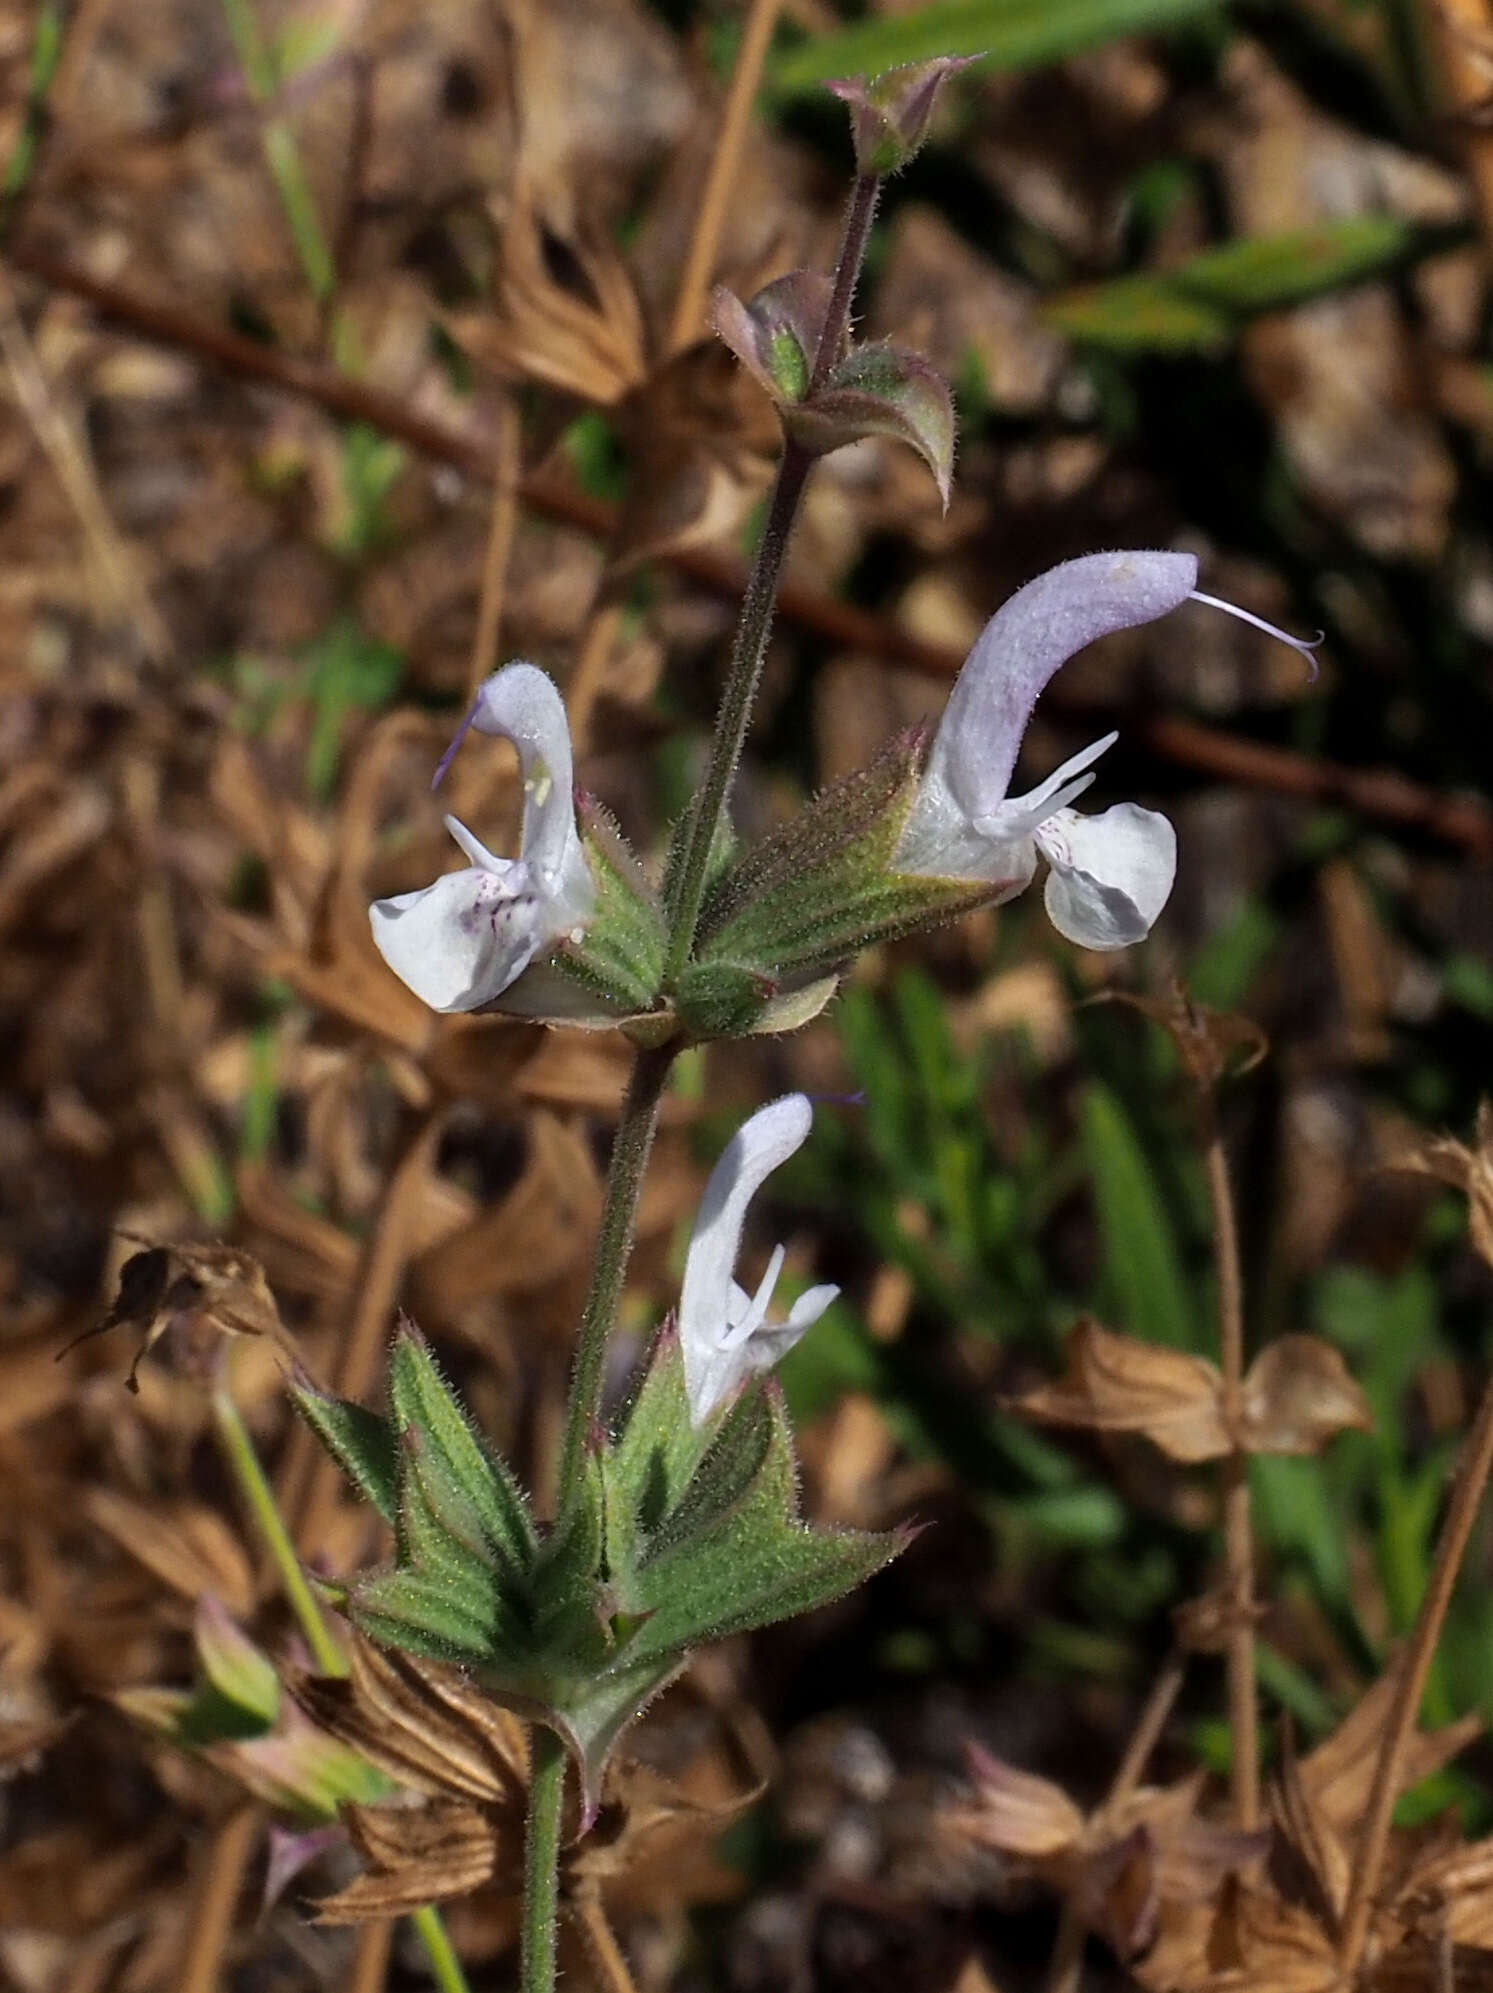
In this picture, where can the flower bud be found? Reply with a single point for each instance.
(890, 114)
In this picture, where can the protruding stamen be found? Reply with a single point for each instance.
(1305, 646)
(474, 848)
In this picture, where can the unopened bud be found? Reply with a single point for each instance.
(890, 114)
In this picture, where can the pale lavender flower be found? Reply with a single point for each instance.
(461, 942)
(1109, 875)
(725, 1335)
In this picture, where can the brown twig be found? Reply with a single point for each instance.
(219, 1886)
(1238, 1537)
(746, 75)
(370, 1966)
(1472, 1477)
(603, 1953)
(1384, 796)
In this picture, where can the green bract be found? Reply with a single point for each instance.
(676, 1537)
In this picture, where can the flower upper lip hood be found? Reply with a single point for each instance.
(724, 1332)
(461, 942)
(1109, 875)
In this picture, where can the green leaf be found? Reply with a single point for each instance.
(1140, 315)
(1264, 273)
(364, 1445)
(1197, 306)
(421, 1398)
(1000, 34)
(1141, 1258)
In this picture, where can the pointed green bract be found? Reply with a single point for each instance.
(436, 1617)
(753, 1562)
(674, 1537)
(422, 1398)
(365, 1446)
(657, 1448)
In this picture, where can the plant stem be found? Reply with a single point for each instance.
(619, 1212)
(749, 646)
(1238, 1538)
(445, 1966)
(1472, 1477)
(857, 233)
(244, 1465)
(542, 1862)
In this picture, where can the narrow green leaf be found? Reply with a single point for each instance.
(422, 1398)
(1140, 315)
(1140, 1248)
(1263, 273)
(1197, 306)
(1000, 34)
(364, 1445)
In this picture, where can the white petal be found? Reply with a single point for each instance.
(1038, 629)
(769, 1346)
(520, 704)
(709, 1300)
(1111, 874)
(461, 942)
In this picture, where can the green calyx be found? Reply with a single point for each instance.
(676, 1537)
(799, 906)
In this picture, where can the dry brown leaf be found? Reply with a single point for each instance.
(1017, 1811)
(1297, 1394)
(1114, 1383)
(1213, 1044)
(189, 1548)
(197, 1294)
(1469, 1170)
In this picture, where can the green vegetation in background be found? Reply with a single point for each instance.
(1002, 34)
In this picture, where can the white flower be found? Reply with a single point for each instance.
(460, 943)
(724, 1332)
(1109, 875)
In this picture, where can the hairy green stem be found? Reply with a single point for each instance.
(244, 1465)
(542, 1862)
(749, 646)
(445, 1966)
(619, 1212)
